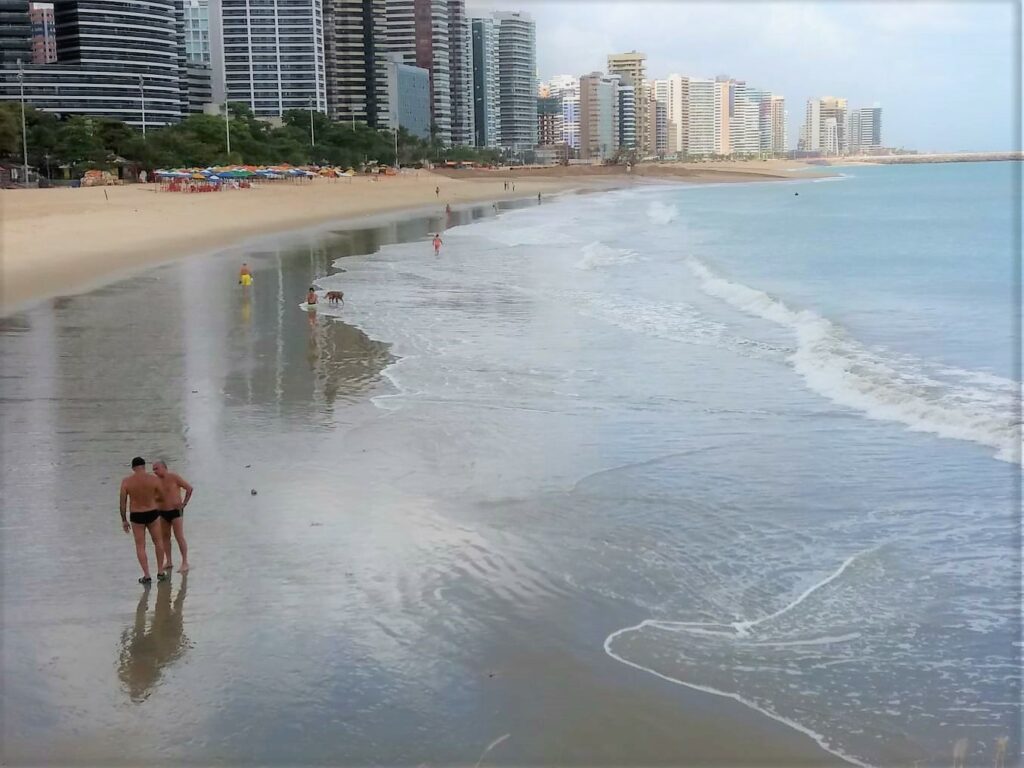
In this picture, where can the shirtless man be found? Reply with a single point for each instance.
(146, 496)
(172, 511)
(438, 242)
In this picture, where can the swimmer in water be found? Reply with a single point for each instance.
(142, 493)
(311, 296)
(244, 275)
(438, 242)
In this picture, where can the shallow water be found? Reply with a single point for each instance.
(598, 447)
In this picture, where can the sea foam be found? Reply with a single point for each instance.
(851, 374)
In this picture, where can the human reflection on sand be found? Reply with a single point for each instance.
(145, 650)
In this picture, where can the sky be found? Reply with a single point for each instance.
(946, 74)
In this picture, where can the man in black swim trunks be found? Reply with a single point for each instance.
(141, 492)
(172, 511)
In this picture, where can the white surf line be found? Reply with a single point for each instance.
(491, 746)
(740, 628)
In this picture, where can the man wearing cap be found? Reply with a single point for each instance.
(142, 494)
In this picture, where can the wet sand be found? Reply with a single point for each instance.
(352, 612)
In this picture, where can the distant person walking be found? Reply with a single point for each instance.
(438, 242)
(437, 191)
(172, 511)
(141, 492)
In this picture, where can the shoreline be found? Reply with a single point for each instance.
(63, 241)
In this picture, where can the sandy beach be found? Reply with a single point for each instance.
(358, 606)
(56, 241)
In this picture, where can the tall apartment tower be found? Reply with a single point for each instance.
(776, 143)
(486, 107)
(865, 130)
(271, 61)
(599, 118)
(15, 32)
(355, 49)
(824, 129)
(625, 94)
(701, 126)
(460, 65)
(517, 80)
(567, 88)
(418, 31)
(197, 31)
(633, 65)
(673, 94)
(44, 35)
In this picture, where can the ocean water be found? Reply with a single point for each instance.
(777, 423)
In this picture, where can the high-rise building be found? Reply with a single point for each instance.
(408, 91)
(567, 88)
(517, 80)
(15, 32)
(356, 61)
(701, 127)
(633, 66)
(599, 118)
(460, 65)
(627, 127)
(418, 31)
(723, 111)
(745, 119)
(115, 58)
(44, 36)
(549, 120)
(197, 31)
(824, 128)
(673, 94)
(865, 130)
(486, 115)
(269, 57)
(660, 128)
(774, 142)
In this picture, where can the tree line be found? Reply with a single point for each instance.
(80, 143)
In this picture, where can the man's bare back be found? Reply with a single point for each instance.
(143, 490)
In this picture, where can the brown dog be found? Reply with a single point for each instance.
(335, 297)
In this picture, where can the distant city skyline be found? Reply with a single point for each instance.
(907, 57)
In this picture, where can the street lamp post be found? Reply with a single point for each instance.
(142, 93)
(24, 132)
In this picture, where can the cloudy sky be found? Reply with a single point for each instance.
(942, 71)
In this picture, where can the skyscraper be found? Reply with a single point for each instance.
(197, 31)
(865, 132)
(824, 128)
(777, 143)
(114, 59)
(460, 65)
(271, 60)
(15, 32)
(674, 94)
(701, 127)
(486, 117)
(517, 80)
(633, 66)
(418, 31)
(549, 120)
(599, 118)
(355, 49)
(44, 34)
(567, 88)
(625, 93)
